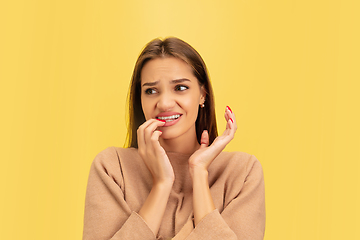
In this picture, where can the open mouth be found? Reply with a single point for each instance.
(169, 118)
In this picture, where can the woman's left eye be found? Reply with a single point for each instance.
(181, 88)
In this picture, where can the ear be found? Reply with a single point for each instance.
(202, 95)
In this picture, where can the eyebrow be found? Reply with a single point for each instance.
(150, 83)
(172, 81)
(180, 80)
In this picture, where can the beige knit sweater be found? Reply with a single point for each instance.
(119, 183)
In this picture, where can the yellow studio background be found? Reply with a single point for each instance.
(289, 69)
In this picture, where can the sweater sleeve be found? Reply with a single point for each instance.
(244, 216)
(107, 215)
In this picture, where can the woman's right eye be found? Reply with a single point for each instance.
(150, 91)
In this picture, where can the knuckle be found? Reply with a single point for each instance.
(147, 131)
(148, 152)
(141, 153)
(153, 138)
(140, 129)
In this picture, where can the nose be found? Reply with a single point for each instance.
(165, 102)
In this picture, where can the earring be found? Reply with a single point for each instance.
(202, 105)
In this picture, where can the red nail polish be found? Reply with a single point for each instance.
(231, 120)
(161, 120)
(229, 108)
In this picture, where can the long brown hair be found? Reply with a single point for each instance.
(171, 47)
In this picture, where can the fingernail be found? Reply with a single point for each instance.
(229, 108)
(161, 120)
(231, 120)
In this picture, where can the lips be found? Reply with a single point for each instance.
(169, 118)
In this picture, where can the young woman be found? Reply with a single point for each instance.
(174, 181)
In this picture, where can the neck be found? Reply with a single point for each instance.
(180, 145)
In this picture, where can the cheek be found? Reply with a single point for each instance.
(191, 106)
(145, 108)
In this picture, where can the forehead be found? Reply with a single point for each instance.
(168, 68)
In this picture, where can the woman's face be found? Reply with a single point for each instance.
(171, 92)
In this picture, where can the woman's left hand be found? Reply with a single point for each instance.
(202, 158)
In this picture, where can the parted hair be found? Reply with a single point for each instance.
(171, 47)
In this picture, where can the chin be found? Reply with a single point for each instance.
(167, 135)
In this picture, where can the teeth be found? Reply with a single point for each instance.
(169, 118)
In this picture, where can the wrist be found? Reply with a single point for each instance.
(163, 184)
(198, 173)
(202, 200)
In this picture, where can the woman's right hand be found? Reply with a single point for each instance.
(161, 170)
(153, 154)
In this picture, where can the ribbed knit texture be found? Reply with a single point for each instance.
(119, 183)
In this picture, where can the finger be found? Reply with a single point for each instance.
(149, 130)
(204, 141)
(233, 118)
(229, 125)
(226, 114)
(141, 132)
(155, 142)
(229, 114)
(223, 139)
(230, 130)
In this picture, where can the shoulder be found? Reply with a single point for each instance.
(110, 158)
(236, 159)
(113, 153)
(237, 164)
